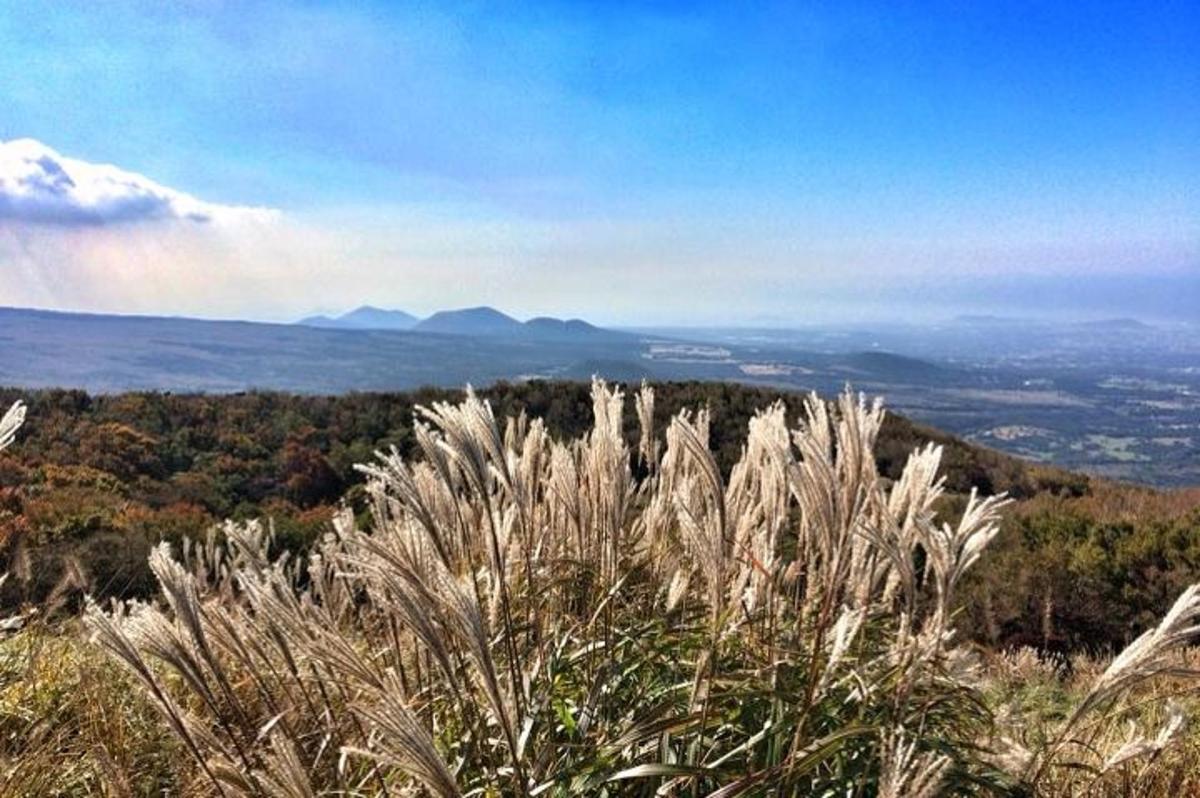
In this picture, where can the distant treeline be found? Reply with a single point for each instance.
(95, 481)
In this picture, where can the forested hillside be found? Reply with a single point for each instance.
(98, 480)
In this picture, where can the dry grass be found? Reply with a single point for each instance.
(523, 616)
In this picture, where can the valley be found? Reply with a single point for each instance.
(1120, 399)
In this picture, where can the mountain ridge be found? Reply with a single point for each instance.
(478, 320)
(364, 317)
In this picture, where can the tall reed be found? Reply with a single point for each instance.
(517, 615)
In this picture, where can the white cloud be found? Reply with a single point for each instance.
(40, 186)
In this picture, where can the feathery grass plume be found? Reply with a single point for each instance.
(952, 551)
(111, 631)
(464, 618)
(13, 418)
(515, 614)
(398, 738)
(756, 497)
(699, 501)
(284, 774)
(471, 439)
(906, 773)
(845, 630)
(1150, 654)
(647, 442)
(1138, 746)
(904, 517)
(1087, 751)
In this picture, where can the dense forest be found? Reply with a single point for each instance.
(97, 481)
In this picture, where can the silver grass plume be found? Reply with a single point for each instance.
(647, 443)
(1150, 654)
(10, 423)
(500, 561)
(284, 774)
(952, 551)
(1147, 657)
(399, 740)
(907, 774)
(1138, 746)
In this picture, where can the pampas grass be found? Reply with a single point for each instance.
(516, 615)
(12, 420)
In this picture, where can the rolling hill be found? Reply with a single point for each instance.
(364, 318)
(470, 321)
(477, 321)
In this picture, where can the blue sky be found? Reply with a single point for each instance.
(630, 162)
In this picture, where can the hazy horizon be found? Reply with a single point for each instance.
(642, 164)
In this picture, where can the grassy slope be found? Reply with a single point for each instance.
(99, 479)
(121, 467)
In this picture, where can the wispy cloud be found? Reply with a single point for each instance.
(40, 186)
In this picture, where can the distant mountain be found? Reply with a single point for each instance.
(364, 318)
(470, 321)
(318, 321)
(555, 326)
(547, 328)
(477, 321)
(116, 353)
(485, 321)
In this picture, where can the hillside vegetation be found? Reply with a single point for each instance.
(514, 613)
(99, 480)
